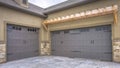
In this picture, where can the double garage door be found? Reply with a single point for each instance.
(91, 43)
(22, 42)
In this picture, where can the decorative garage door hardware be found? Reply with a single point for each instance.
(91, 13)
(92, 42)
(16, 28)
(32, 29)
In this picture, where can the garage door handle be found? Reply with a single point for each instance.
(24, 41)
(92, 41)
(76, 51)
(36, 50)
(53, 50)
(61, 42)
(9, 53)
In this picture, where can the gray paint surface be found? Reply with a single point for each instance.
(22, 42)
(93, 43)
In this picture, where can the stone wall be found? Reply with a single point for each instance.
(116, 50)
(2, 53)
(45, 48)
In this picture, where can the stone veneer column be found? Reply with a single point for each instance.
(116, 50)
(45, 48)
(2, 53)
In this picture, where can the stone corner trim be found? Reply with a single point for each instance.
(116, 50)
(2, 53)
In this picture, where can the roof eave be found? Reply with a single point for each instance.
(42, 15)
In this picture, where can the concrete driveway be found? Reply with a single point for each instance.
(58, 62)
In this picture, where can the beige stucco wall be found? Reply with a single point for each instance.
(89, 22)
(15, 17)
(12, 16)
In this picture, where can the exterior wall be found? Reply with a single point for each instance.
(10, 16)
(95, 21)
(45, 42)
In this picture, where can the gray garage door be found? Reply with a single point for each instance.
(92, 43)
(22, 42)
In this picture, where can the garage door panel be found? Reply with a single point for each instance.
(93, 42)
(58, 53)
(22, 42)
(21, 55)
(105, 57)
(58, 47)
(76, 54)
